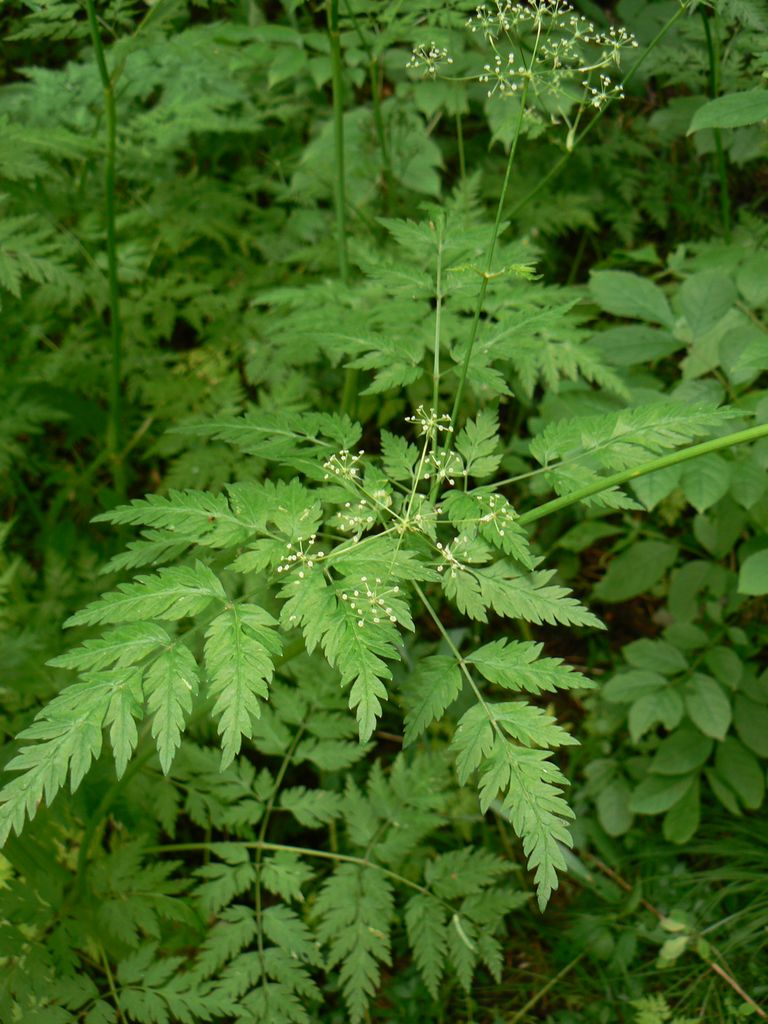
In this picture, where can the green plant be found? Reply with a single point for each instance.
(324, 857)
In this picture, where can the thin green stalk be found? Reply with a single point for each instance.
(378, 119)
(714, 91)
(460, 147)
(373, 74)
(115, 321)
(439, 229)
(546, 988)
(559, 164)
(349, 393)
(617, 479)
(303, 851)
(487, 275)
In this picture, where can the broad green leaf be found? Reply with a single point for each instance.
(741, 771)
(752, 280)
(753, 574)
(664, 706)
(707, 705)
(630, 295)
(682, 819)
(613, 808)
(706, 480)
(705, 298)
(636, 570)
(170, 685)
(685, 750)
(655, 656)
(434, 686)
(657, 793)
(734, 110)
(751, 722)
(630, 686)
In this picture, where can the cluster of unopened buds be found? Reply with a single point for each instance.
(343, 465)
(430, 422)
(369, 601)
(428, 58)
(299, 555)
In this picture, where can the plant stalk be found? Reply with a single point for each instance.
(714, 91)
(617, 479)
(114, 424)
(349, 393)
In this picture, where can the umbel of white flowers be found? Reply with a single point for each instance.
(567, 68)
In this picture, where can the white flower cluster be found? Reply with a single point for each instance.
(444, 466)
(605, 91)
(560, 49)
(343, 465)
(430, 422)
(369, 601)
(428, 58)
(450, 561)
(356, 518)
(500, 513)
(298, 555)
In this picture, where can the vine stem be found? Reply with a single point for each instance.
(115, 321)
(616, 479)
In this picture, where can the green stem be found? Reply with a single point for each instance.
(617, 479)
(559, 164)
(378, 119)
(302, 851)
(439, 228)
(488, 264)
(460, 147)
(115, 321)
(546, 988)
(714, 90)
(349, 393)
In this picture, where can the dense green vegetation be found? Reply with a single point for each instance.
(384, 489)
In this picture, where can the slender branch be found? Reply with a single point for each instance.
(545, 988)
(439, 228)
(617, 479)
(488, 263)
(304, 851)
(111, 984)
(349, 391)
(115, 321)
